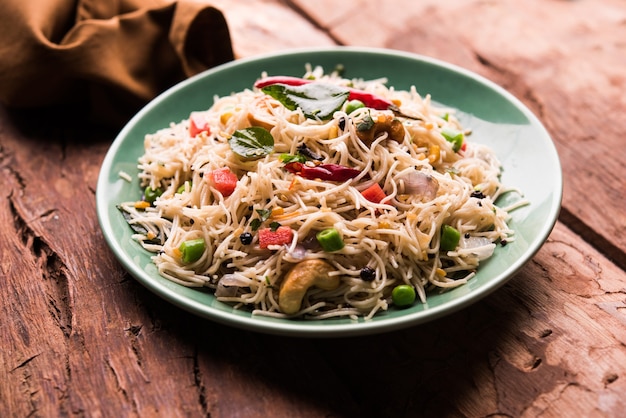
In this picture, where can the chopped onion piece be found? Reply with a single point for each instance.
(229, 284)
(481, 247)
(418, 183)
(299, 252)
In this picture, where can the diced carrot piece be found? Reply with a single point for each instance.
(198, 124)
(142, 204)
(374, 193)
(282, 235)
(223, 180)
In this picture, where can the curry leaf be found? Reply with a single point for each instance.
(253, 142)
(138, 228)
(366, 124)
(316, 100)
(264, 214)
(274, 226)
(255, 224)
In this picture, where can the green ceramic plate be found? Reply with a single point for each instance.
(497, 119)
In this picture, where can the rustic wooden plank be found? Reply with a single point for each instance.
(32, 328)
(94, 340)
(259, 27)
(89, 347)
(558, 327)
(568, 70)
(549, 342)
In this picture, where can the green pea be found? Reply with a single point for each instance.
(450, 238)
(353, 105)
(192, 250)
(403, 295)
(150, 194)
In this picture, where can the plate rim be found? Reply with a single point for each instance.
(305, 328)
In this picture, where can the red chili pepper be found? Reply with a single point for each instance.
(329, 172)
(281, 79)
(369, 100)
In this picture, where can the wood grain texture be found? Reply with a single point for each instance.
(268, 26)
(80, 337)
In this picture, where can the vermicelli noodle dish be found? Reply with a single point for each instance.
(319, 197)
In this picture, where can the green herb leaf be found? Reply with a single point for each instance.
(317, 100)
(274, 226)
(254, 142)
(366, 124)
(137, 227)
(264, 214)
(290, 158)
(454, 137)
(255, 224)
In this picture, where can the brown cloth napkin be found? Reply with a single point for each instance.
(111, 56)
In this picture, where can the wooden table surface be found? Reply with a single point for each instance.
(80, 337)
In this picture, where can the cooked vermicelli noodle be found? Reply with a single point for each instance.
(427, 183)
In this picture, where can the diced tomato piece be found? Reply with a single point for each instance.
(223, 180)
(282, 235)
(198, 124)
(374, 193)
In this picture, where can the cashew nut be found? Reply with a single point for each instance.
(300, 278)
(259, 121)
(384, 123)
